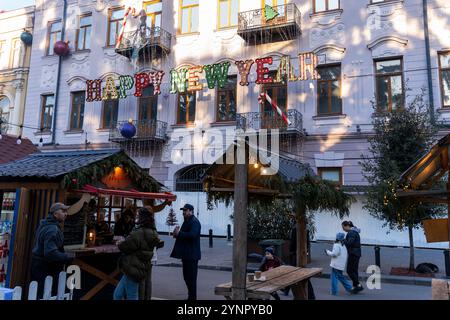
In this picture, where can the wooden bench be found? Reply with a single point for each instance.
(440, 289)
(276, 279)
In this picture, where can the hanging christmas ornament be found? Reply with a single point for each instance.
(244, 70)
(110, 90)
(61, 48)
(217, 74)
(94, 90)
(128, 130)
(26, 38)
(193, 79)
(178, 80)
(262, 70)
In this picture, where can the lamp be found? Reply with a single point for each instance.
(92, 235)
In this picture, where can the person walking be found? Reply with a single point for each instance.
(353, 243)
(187, 248)
(48, 255)
(338, 263)
(137, 252)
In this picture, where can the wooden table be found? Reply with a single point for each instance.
(104, 277)
(276, 279)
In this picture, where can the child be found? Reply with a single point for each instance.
(270, 261)
(338, 262)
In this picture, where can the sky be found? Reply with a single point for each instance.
(14, 4)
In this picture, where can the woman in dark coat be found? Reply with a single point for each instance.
(137, 252)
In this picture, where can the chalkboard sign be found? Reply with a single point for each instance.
(75, 230)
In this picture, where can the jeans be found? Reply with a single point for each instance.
(190, 269)
(352, 269)
(126, 289)
(338, 276)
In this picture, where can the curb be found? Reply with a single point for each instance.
(426, 282)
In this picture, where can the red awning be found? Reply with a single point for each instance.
(132, 194)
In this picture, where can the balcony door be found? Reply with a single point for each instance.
(270, 119)
(154, 13)
(148, 113)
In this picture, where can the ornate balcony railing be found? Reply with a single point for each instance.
(270, 120)
(285, 26)
(153, 37)
(146, 130)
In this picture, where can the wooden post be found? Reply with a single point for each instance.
(238, 287)
(302, 257)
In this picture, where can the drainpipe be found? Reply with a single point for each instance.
(428, 55)
(58, 77)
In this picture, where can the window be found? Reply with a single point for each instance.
(109, 114)
(48, 102)
(189, 179)
(54, 35)
(186, 107)
(278, 93)
(77, 110)
(189, 16)
(148, 105)
(331, 174)
(329, 99)
(15, 53)
(115, 17)
(326, 5)
(226, 101)
(278, 5)
(389, 84)
(84, 32)
(228, 13)
(154, 13)
(2, 52)
(444, 67)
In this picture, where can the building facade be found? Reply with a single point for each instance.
(14, 67)
(371, 54)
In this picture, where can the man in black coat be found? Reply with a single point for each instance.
(187, 248)
(48, 257)
(353, 243)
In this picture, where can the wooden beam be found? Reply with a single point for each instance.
(29, 185)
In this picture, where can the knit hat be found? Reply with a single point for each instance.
(270, 250)
(340, 236)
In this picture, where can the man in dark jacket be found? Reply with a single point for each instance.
(49, 257)
(187, 248)
(353, 243)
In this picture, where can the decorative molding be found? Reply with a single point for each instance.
(329, 159)
(48, 76)
(379, 47)
(77, 83)
(385, 9)
(330, 53)
(100, 5)
(326, 18)
(382, 40)
(332, 35)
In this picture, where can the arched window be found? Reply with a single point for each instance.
(4, 112)
(189, 179)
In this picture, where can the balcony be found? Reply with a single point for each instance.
(255, 29)
(271, 120)
(153, 44)
(146, 130)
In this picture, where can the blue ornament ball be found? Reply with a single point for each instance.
(128, 130)
(26, 38)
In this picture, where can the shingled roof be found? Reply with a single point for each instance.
(52, 165)
(10, 150)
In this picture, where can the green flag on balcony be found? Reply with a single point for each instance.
(270, 13)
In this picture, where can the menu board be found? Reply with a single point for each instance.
(75, 230)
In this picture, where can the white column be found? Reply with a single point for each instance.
(16, 118)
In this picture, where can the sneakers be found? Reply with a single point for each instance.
(357, 289)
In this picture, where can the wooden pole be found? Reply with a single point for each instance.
(239, 276)
(302, 257)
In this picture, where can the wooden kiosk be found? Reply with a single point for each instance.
(108, 177)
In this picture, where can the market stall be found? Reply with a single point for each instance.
(99, 186)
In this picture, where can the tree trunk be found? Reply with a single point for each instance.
(411, 249)
(302, 257)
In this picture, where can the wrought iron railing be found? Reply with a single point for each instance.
(145, 130)
(255, 19)
(270, 120)
(153, 36)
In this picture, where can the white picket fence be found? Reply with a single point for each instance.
(47, 295)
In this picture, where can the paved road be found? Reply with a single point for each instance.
(168, 284)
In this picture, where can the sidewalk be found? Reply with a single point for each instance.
(220, 258)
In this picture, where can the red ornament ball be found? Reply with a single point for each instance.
(61, 48)
(74, 180)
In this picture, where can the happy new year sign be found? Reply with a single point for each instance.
(188, 79)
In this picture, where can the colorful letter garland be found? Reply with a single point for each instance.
(216, 76)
